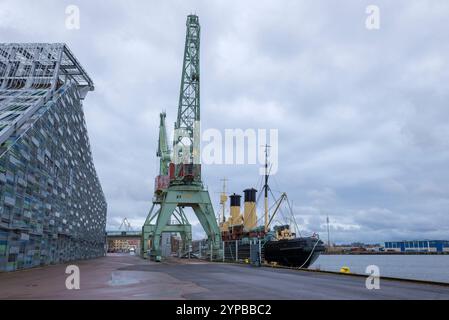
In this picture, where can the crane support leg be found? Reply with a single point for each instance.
(173, 202)
(206, 216)
(162, 220)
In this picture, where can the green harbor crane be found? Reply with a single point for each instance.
(179, 184)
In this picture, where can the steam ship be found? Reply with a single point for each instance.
(278, 244)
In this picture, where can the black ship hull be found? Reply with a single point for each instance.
(297, 252)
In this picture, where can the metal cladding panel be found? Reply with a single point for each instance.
(52, 207)
(30, 76)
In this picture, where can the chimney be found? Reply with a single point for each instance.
(249, 210)
(235, 209)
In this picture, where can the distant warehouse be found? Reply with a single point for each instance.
(438, 246)
(123, 241)
(52, 207)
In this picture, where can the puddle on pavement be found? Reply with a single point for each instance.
(125, 278)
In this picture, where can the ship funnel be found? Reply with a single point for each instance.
(235, 209)
(249, 213)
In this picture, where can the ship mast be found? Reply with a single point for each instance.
(266, 188)
(223, 199)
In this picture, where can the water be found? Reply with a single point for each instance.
(419, 267)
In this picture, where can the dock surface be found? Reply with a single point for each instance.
(130, 277)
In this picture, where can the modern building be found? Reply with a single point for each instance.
(52, 207)
(438, 246)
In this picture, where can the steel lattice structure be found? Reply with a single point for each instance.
(185, 143)
(29, 75)
(52, 207)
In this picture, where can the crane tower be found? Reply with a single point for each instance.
(179, 184)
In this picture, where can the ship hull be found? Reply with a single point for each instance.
(298, 252)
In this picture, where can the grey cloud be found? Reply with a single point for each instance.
(362, 115)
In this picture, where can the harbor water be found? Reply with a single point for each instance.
(417, 267)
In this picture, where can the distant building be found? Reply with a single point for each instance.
(418, 246)
(123, 241)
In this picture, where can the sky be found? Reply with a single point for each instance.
(361, 114)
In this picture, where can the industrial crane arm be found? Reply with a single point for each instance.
(163, 150)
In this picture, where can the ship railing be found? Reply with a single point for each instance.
(248, 251)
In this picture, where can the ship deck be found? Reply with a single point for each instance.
(130, 277)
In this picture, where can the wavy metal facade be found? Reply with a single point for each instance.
(52, 207)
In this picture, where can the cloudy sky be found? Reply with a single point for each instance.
(362, 115)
